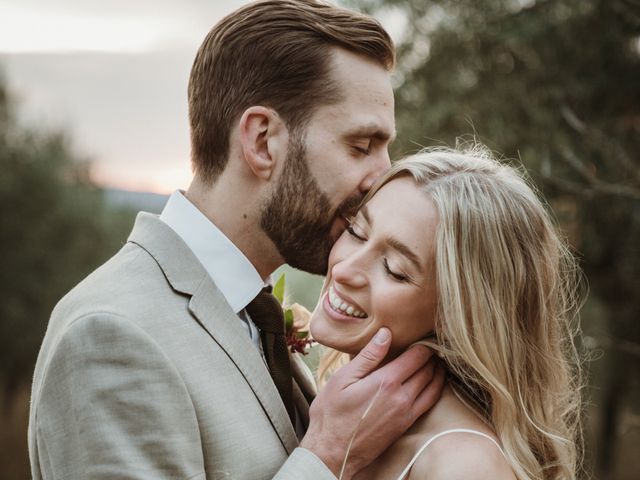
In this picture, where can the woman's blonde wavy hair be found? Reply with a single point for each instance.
(506, 318)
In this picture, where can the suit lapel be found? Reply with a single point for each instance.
(303, 377)
(304, 387)
(301, 404)
(210, 309)
(215, 315)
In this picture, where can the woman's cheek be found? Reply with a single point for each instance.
(384, 306)
(393, 312)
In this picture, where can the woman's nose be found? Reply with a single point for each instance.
(350, 272)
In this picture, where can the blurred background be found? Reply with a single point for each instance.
(93, 127)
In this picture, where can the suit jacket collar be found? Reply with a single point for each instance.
(231, 271)
(210, 309)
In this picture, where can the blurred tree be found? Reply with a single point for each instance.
(55, 229)
(555, 83)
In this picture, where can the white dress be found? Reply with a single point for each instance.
(446, 432)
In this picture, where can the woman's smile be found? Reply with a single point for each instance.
(344, 305)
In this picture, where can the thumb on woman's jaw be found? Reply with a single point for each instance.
(371, 356)
(382, 337)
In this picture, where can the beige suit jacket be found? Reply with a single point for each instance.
(145, 373)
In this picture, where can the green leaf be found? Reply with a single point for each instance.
(288, 318)
(278, 289)
(302, 335)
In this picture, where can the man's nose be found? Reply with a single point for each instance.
(380, 163)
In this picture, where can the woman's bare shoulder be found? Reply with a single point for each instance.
(459, 456)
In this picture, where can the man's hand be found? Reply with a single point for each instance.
(404, 389)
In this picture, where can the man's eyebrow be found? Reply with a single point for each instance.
(371, 130)
(394, 243)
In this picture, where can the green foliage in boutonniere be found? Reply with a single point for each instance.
(296, 320)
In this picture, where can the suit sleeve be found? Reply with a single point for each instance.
(304, 465)
(111, 405)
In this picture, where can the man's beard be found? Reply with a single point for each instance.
(298, 216)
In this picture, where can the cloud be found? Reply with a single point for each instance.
(128, 113)
(114, 26)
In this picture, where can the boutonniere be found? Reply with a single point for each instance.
(296, 320)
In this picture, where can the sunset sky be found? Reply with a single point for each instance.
(114, 76)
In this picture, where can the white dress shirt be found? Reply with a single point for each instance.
(232, 272)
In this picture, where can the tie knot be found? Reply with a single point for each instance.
(266, 312)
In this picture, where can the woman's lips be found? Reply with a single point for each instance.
(335, 315)
(342, 298)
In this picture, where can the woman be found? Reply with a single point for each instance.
(455, 248)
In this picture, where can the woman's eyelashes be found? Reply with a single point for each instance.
(351, 230)
(398, 276)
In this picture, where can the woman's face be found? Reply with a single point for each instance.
(381, 273)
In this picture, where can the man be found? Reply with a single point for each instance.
(154, 366)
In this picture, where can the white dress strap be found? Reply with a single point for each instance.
(446, 432)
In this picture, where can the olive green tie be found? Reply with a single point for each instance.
(266, 313)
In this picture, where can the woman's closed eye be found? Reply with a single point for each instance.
(396, 275)
(355, 232)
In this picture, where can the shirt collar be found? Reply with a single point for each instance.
(232, 272)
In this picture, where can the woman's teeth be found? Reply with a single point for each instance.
(343, 307)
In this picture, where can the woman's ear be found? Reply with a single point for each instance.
(262, 138)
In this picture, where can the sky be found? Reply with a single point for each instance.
(113, 75)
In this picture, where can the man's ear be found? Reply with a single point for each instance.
(263, 139)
